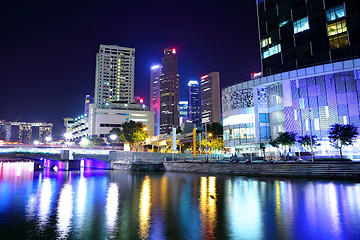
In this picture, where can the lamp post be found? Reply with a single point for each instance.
(113, 137)
(67, 137)
(311, 142)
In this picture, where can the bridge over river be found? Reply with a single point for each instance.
(75, 158)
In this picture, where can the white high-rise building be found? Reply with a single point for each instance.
(155, 96)
(114, 79)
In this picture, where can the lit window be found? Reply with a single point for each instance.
(271, 51)
(265, 42)
(335, 13)
(338, 41)
(336, 28)
(301, 25)
(283, 23)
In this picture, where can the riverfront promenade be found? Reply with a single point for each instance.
(75, 159)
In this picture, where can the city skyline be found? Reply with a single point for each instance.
(58, 44)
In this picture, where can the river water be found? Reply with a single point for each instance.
(123, 205)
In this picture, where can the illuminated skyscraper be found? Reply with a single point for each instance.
(194, 102)
(183, 111)
(114, 79)
(169, 92)
(298, 34)
(210, 98)
(155, 96)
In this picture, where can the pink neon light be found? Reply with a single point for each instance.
(173, 50)
(204, 76)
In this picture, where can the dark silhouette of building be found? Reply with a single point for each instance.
(299, 33)
(169, 92)
(210, 98)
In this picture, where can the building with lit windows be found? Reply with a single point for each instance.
(310, 56)
(100, 122)
(183, 111)
(114, 78)
(169, 92)
(155, 72)
(210, 98)
(194, 102)
(306, 101)
(299, 34)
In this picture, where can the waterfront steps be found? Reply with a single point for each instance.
(323, 170)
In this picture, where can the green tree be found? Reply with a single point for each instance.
(342, 135)
(309, 143)
(118, 133)
(274, 143)
(262, 147)
(217, 144)
(134, 133)
(286, 140)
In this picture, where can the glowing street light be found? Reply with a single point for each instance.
(145, 129)
(48, 139)
(36, 142)
(67, 136)
(113, 137)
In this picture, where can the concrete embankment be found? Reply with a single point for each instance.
(148, 167)
(321, 170)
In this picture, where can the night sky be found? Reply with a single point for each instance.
(48, 48)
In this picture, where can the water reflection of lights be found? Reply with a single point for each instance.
(278, 203)
(243, 209)
(112, 207)
(145, 206)
(17, 171)
(208, 206)
(31, 207)
(334, 208)
(81, 199)
(45, 202)
(64, 211)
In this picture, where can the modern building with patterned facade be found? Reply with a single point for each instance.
(305, 101)
(155, 96)
(302, 33)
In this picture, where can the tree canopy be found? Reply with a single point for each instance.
(131, 132)
(342, 135)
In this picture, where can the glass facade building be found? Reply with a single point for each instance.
(306, 101)
(194, 102)
(302, 33)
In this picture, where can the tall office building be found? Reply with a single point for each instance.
(183, 111)
(114, 79)
(302, 33)
(169, 92)
(88, 100)
(210, 98)
(155, 96)
(194, 102)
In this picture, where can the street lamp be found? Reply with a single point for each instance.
(311, 142)
(67, 137)
(113, 137)
(48, 139)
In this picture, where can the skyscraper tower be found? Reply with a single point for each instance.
(298, 34)
(114, 79)
(169, 92)
(194, 102)
(210, 98)
(155, 96)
